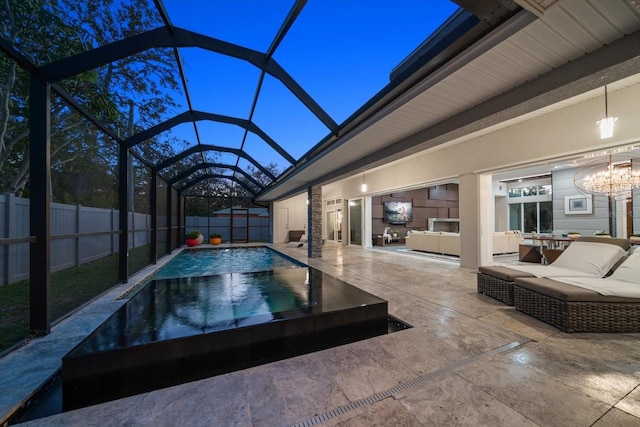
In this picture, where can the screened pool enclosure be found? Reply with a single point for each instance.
(126, 124)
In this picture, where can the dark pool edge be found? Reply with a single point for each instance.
(22, 412)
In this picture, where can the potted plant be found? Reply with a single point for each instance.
(602, 234)
(191, 238)
(200, 237)
(635, 238)
(215, 238)
(573, 234)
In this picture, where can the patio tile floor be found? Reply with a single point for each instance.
(468, 360)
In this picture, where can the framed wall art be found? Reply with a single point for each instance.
(578, 205)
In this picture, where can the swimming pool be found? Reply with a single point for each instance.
(181, 329)
(207, 262)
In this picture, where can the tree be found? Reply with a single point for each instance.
(259, 176)
(38, 32)
(82, 157)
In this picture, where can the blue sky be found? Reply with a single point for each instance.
(340, 51)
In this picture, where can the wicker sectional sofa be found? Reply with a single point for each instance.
(574, 303)
(575, 309)
(498, 281)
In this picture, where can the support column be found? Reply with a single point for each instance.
(271, 221)
(170, 217)
(154, 217)
(611, 209)
(39, 209)
(476, 225)
(181, 219)
(314, 221)
(10, 221)
(123, 190)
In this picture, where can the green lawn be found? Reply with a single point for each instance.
(69, 290)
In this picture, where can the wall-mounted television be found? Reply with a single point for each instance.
(397, 212)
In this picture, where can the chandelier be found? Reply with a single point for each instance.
(617, 180)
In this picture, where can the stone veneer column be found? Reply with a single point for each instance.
(314, 221)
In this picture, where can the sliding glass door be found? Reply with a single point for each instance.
(355, 222)
(334, 225)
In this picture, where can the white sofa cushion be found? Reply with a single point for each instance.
(596, 259)
(629, 270)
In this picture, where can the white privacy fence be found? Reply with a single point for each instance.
(258, 227)
(69, 246)
(81, 234)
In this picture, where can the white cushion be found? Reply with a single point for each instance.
(590, 257)
(629, 270)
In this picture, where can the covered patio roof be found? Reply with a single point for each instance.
(267, 143)
(538, 60)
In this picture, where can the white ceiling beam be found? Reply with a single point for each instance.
(536, 7)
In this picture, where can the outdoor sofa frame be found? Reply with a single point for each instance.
(575, 309)
(498, 282)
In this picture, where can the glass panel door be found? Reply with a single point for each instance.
(546, 217)
(239, 225)
(339, 225)
(515, 216)
(355, 222)
(530, 217)
(331, 225)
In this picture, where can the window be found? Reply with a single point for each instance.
(546, 217)
(515, 216)
(531, 217)
(515, 192)
(531, 206)
(543, 190)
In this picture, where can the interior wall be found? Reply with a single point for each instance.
(440, 201)
(585, 224)
(297, 210)
(501, 214)
(500, 208)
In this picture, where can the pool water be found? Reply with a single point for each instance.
(174, 308)
(207, 262)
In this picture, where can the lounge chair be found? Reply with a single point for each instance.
(302, 243)
(610, 304)
(581, 259)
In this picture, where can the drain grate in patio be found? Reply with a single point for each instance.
(318, 419)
